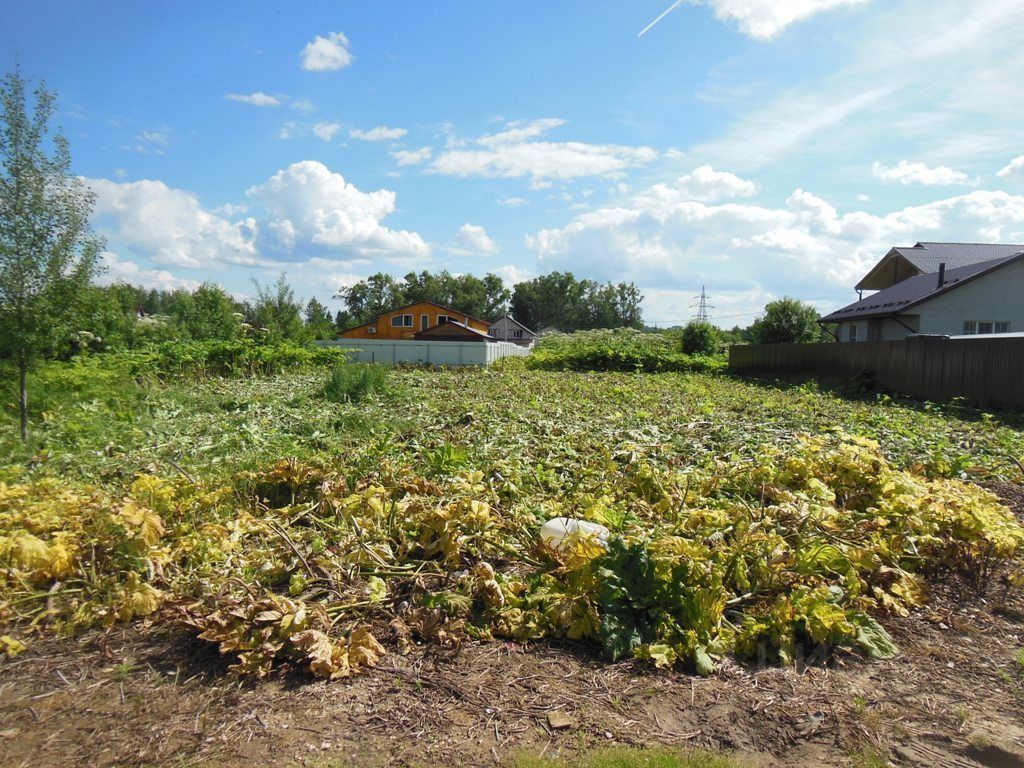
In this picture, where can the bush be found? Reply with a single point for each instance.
(352, 382)
(623, 349)
(240, 357)
(700, 338)
(786, 321)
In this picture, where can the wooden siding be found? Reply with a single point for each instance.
(385, 331)
(987, 372)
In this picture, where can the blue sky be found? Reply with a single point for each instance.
(759, 147)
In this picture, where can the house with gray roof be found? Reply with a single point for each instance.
(946, 289)
(509, 329)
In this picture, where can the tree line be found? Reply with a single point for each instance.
(556, 301)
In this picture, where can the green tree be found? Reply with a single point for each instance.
(206, 313)
(700, 337)
(370, 297)
(48, 254)
(558, 300)
(786, 321)
(318, 320)
(277, 311)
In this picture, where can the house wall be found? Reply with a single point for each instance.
(384, 330)
(447, 353)
(879, 329)
(505, 330)
(998, 296)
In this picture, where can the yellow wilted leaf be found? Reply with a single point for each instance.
(145, 523)
(324, 657)
(138, 599)
(378, 589)
(363, 648)
(30, 553)
(11, 647)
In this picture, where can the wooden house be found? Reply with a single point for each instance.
(404, 323)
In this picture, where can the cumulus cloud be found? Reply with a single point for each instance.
(327, 54)
(412, 157)
(664, 238)
(326, 131)
(707, 184)
(380, 133)
(918, 173)
(118, 270)
(763, 19)
(170, 226)
(516, 152)
(512, 274)
(310, 208)
(1013, 170)
(473, 240)
(255, 99)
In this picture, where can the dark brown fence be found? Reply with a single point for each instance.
(983, 371)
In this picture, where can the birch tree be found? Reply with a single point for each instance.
(48, 253)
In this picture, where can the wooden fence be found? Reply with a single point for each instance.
(988, 372)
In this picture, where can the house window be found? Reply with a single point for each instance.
(443, 319)
(372, 329)
(424, 322)
(401, 321)
(519, 334)
(972, 327)
(853, 331)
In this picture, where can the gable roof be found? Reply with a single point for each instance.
(925, 257)
(908, 293)
(377, 317)
(452, 328)
(512, 319)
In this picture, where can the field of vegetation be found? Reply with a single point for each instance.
(299, 513)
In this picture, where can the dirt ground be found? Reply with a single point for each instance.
(142, 696)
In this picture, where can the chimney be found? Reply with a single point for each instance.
(942, 275)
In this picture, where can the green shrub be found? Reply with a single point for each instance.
(352, 382)
(700, 338)
(623, 349)
(239, 357)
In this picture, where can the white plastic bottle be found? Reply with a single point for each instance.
(560, 531)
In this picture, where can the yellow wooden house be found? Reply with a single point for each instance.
(405, 322)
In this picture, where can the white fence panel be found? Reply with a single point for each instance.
(446, 353)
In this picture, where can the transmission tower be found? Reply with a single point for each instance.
(702, 309)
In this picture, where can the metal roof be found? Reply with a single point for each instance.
(908, 293)
(927, 256)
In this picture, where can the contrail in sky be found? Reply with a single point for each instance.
(667, 11)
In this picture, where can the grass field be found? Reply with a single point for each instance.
(326, 520)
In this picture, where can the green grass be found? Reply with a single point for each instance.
(354, 382)
(624, 757)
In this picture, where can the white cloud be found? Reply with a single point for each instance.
(303, 105)
(327, 54)
(707, 184)
(515, 153)
(150, 142)
(664, 239)
(918, 173)
(255, 99)
(473, 240)
(513, 202)
(940, 75)
(412, 157)
(170, 226)
(511, 274)
(766, 19)
(380, 133)
(326, 131)
(310, 208)
(1013, 170)
(118, 270)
